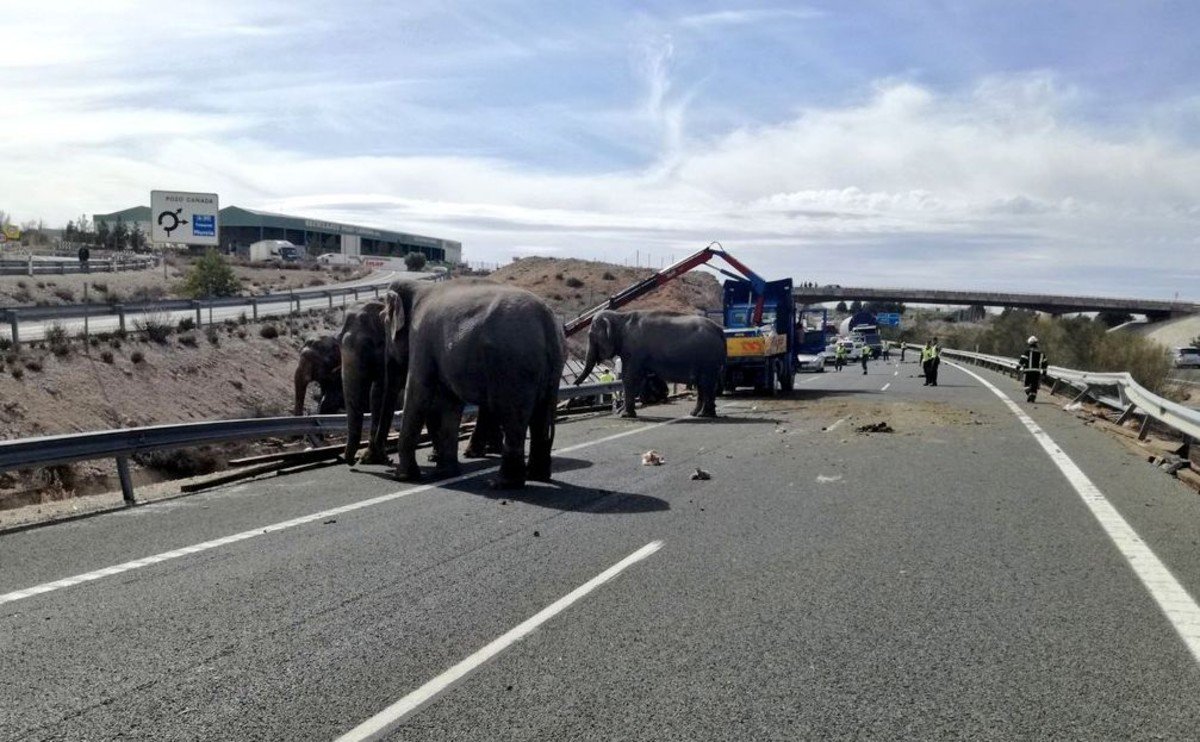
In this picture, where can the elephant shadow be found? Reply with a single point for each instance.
(555, 495)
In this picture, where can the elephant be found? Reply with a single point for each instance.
(320, 361)
(680, 348)
(363, 366)
(473, 341)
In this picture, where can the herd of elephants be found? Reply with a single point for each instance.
(501, 348)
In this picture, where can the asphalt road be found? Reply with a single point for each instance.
(943, 581)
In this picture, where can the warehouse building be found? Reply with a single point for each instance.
(239, 227)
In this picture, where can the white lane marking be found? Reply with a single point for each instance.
(385, 721)
(885, 387)
(1178, 606)
(834, 427)
(812, 379)
(897, 373)
(116, 569)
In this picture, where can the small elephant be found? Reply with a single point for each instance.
(472, 341)
(320, 362)
(679, 348)
(364, 354)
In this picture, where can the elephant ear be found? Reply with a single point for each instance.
(395, 315)
(602, 335)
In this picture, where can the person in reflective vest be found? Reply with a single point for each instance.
(1031, 366)
(928, 368)
(866, 356)
(839, 356)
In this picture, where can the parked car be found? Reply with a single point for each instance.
(1187, 358)
(813, 362)
(853, 350)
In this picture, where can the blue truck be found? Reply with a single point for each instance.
(762, 354)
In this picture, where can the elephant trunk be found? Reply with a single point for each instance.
(588, 364)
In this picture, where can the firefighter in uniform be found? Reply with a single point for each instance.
(1031, 366)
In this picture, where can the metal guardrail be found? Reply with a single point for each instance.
(27, 453)
(26, 267)
(1117, 390)
(14, 316)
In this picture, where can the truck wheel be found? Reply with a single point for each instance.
(787, 381)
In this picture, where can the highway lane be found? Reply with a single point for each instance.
(943, 580)
(36, 329)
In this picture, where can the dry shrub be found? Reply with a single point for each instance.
(137, 356)
(106, 356)
(180, 462)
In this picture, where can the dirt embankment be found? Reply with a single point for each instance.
(211, 373)
(572, 286)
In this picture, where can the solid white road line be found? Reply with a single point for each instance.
(814, 378)
(117, 569)
(386, 721)
(885, 387)
(834, 427)
(1178, 606)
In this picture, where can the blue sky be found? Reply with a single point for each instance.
(1021, 145)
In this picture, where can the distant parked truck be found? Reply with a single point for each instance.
(864, 325)
(265, 250)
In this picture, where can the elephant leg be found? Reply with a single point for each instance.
(377, 450)
(481, 436)
(444, 421)
(416, 409)
(541, 439)
(355, 406)
(514, 420)
(707, 395)
(633, 385)
(383, 410)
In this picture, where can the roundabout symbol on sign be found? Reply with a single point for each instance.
(173, 218)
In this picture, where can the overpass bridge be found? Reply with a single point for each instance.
(1050, 303)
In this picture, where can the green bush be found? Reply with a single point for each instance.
(106, 356)
(156, 327)
(188, 339)
(210, 276)
(187, 324)
(137, 356)
(269, 332)
(415, 261)
(574, 282)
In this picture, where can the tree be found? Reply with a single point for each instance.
(102, 234)
(210, 276)
(415, 261)
(137, 238)
(119, 236)
(841, 307)
(70, 234)
(856, 306)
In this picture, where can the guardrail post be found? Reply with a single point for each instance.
(254, 308)
(1142, 431)
(376, 291)
(16, 337)
(1054, 387)
(1126, 414)
(196, 305)
(329, 294)
(1081, 396)
(355, 293)
(120, 310)
(126, 480)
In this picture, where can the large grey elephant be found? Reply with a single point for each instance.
(679, 348)
(472, 341)
(320, 362)
(363, 342)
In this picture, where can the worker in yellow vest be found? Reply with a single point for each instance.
(927, 356)
(839, 356)
(866, 356)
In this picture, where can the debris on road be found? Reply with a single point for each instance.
(823, 479)
(329, 522)
(536, 534)
(652, 458)
(700, 475)
(879, 427)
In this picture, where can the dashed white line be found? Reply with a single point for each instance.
(812, 379)
(834, 427)
(885, 387)
(385, 721)
(1172, 598)
(116, 569)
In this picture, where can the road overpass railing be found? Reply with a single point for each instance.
(28, 453)
(1118, 391)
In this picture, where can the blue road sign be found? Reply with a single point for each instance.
(891, 319)
(204, 225)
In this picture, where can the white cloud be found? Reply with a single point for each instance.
(744, 17)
